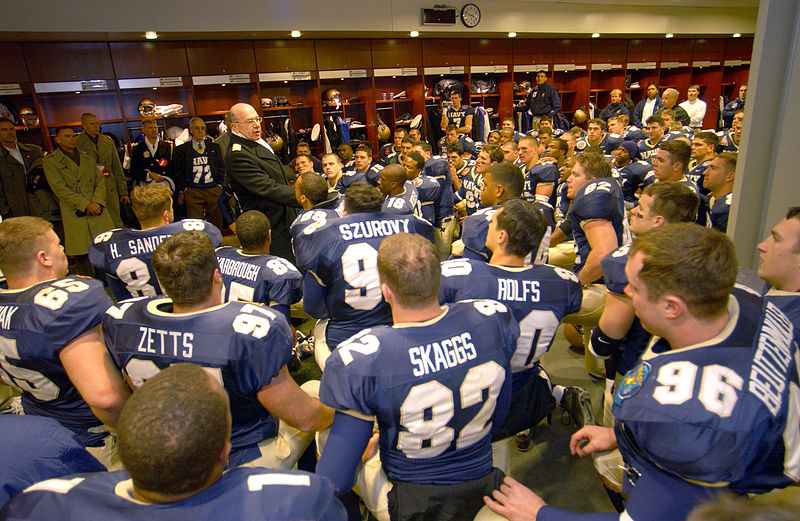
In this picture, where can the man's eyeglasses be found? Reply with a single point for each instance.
(250, 121)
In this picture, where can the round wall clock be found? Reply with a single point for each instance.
(470, 15)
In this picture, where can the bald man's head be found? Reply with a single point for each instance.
(392, 180)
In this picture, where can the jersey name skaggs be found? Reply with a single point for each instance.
(444, 354)
(369, 229)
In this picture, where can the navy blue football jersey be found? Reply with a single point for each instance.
(343, 255)
(242, 345)
(349, 177)
(471, 186)
(696, 174)
(428, 190)
(600, 198)
(433, 388)
(310, 220)
(544, 172)
(439, 170)
(539, 296)
(609, 143)
(266, 279)
(718, 212)
(458, 116)
(404, 203)
(723, 412)
(473, 234)
(35, 449)
(727, 144)
(124, 255)
(636, 339)
(648, 149)
(562, 202)
(636, 175)
(241, 493)
(36, 323)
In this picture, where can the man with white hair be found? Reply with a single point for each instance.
(670, 100)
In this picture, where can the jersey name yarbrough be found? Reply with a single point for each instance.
(771, 363)
(369, 229)
(446, 353)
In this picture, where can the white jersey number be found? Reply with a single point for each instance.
(136, 276)
(41, 387)
(718, 386)
(429, 407)
(360, 270)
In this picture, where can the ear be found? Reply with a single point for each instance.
(659, 220)
(387, 293)
(674, 307)
(216, 277)
(44, 259)
(502, 237)
(223, 455)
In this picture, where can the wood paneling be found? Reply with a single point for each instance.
(739, 49)
(12, 65)
(709, 49)
(441, 52)
(68, 61)
(223, 57)
(486, 51)
(677, 50)
(343, 54)
(396, 52)
(285, 55)
(644, 50)
(572, 51)
(609, 51)
(149, 59)
(532, 52)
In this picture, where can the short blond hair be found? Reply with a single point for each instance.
(20, 239)
(150, 201)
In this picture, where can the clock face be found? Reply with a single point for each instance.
(470, 15)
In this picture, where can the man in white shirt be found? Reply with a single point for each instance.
(696, 108)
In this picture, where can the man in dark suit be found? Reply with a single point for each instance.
(257, 176)
(150, 159)
(198, 171)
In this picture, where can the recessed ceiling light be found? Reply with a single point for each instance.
(296, 34)
(414, 34)
(151, 35)
(669, 35)
(737, 35)
(595, 35)
(512, 34)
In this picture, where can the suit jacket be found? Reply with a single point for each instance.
(22, 191)
(105, 154)
(182, 164)
(680, 114)
(223, 141)
(142, 161)
(76, 186)
(258, 179)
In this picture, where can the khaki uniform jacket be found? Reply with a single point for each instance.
(106, 154)
(15, 199)
(75, 187)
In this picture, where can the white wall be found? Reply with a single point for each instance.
(532, 16)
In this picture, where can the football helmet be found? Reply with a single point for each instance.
(29, 117)
(332, 97)
(147, 108)
(266, 103)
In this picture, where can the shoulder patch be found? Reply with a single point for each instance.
(632, 382)
(236, 147)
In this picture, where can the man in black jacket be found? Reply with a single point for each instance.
(199, 171)
(257, 177)
(543, 100)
